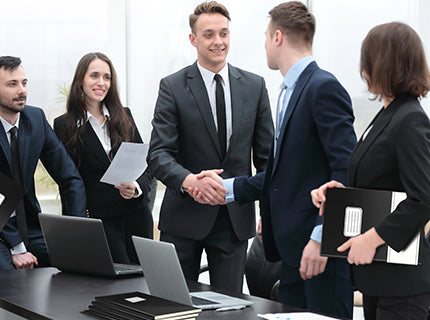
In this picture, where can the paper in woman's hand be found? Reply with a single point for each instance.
(128, 164)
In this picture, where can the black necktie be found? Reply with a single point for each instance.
(220, 115)
(20, 211)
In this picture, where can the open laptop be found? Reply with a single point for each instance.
(164, 277)
(78, 244)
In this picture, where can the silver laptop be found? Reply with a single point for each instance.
(78, 244)
(164, 277)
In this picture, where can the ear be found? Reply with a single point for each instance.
(192, 38)
(278, 37)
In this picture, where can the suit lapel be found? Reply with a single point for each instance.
(24, 134)
(292, 104)
(5, 147)
(200, 94)
(379, 122)
(94, 145)
(237, 107)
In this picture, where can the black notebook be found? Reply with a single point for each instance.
(138, 305)
(10, 194)
(349, 212)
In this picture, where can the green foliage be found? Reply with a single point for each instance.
(45, 185)
(63, 93)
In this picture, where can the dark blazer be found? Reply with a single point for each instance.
(103, 200)
(184, 140)
(315, 142)
(38, 141)
(395, 155)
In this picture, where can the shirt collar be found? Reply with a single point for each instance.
(106, 115)
(296, 70)
(208, 76)
(7, 126)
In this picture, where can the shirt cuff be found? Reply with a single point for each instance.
(228, 184)
(18, 249)
(317, 233)
(138, 191)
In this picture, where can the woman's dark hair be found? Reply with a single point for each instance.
(393, 59)
(119, 126)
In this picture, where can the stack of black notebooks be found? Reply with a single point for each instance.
(138, 306)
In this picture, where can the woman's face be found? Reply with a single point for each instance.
(96, 82)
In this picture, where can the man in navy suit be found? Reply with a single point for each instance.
(22, 244)
(313, 140)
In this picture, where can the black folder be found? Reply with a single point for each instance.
(349, 212)
(10, 194)
(138, 305)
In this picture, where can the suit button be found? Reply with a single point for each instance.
(275, 189)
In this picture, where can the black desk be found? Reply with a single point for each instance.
(46, 293)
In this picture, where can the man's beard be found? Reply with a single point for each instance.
(13, 107)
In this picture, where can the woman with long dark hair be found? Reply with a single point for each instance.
(92, 130)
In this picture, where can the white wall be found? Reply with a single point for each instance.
(51, 36)
(148, 40)
(341, 27)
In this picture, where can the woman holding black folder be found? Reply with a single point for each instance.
(92, 130)
(393, 154)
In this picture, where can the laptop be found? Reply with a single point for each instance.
(78, 244)
(164, 277)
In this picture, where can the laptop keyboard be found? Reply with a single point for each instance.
(196, 301)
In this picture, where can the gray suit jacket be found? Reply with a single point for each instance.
(184, 140)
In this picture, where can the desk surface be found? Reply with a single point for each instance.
(46, 293)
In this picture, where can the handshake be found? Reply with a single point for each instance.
(206, 187)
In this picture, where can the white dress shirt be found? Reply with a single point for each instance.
(210, 83)
(102, 133)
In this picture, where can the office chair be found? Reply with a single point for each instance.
(261, 275)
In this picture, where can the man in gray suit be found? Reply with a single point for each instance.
(209, 115)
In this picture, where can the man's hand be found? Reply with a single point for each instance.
(362, 247)
(318, 195)
(206, 187)
(312, 264)
(126, 190)
(24, 260)
(260, 230)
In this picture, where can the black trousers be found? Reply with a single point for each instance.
(226, 254)
(396, 308)
(119, 230)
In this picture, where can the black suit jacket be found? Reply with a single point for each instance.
(103, 200)
(314, 145)
(395, 156)
(38, 141)
(184, 140)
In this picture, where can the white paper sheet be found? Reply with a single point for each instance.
(128, 164)
(294, 316)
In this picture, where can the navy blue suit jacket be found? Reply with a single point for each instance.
(315, 142)
(37, 141)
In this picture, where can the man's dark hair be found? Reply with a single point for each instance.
(294, 20)
(207, 7)
(10, 63)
